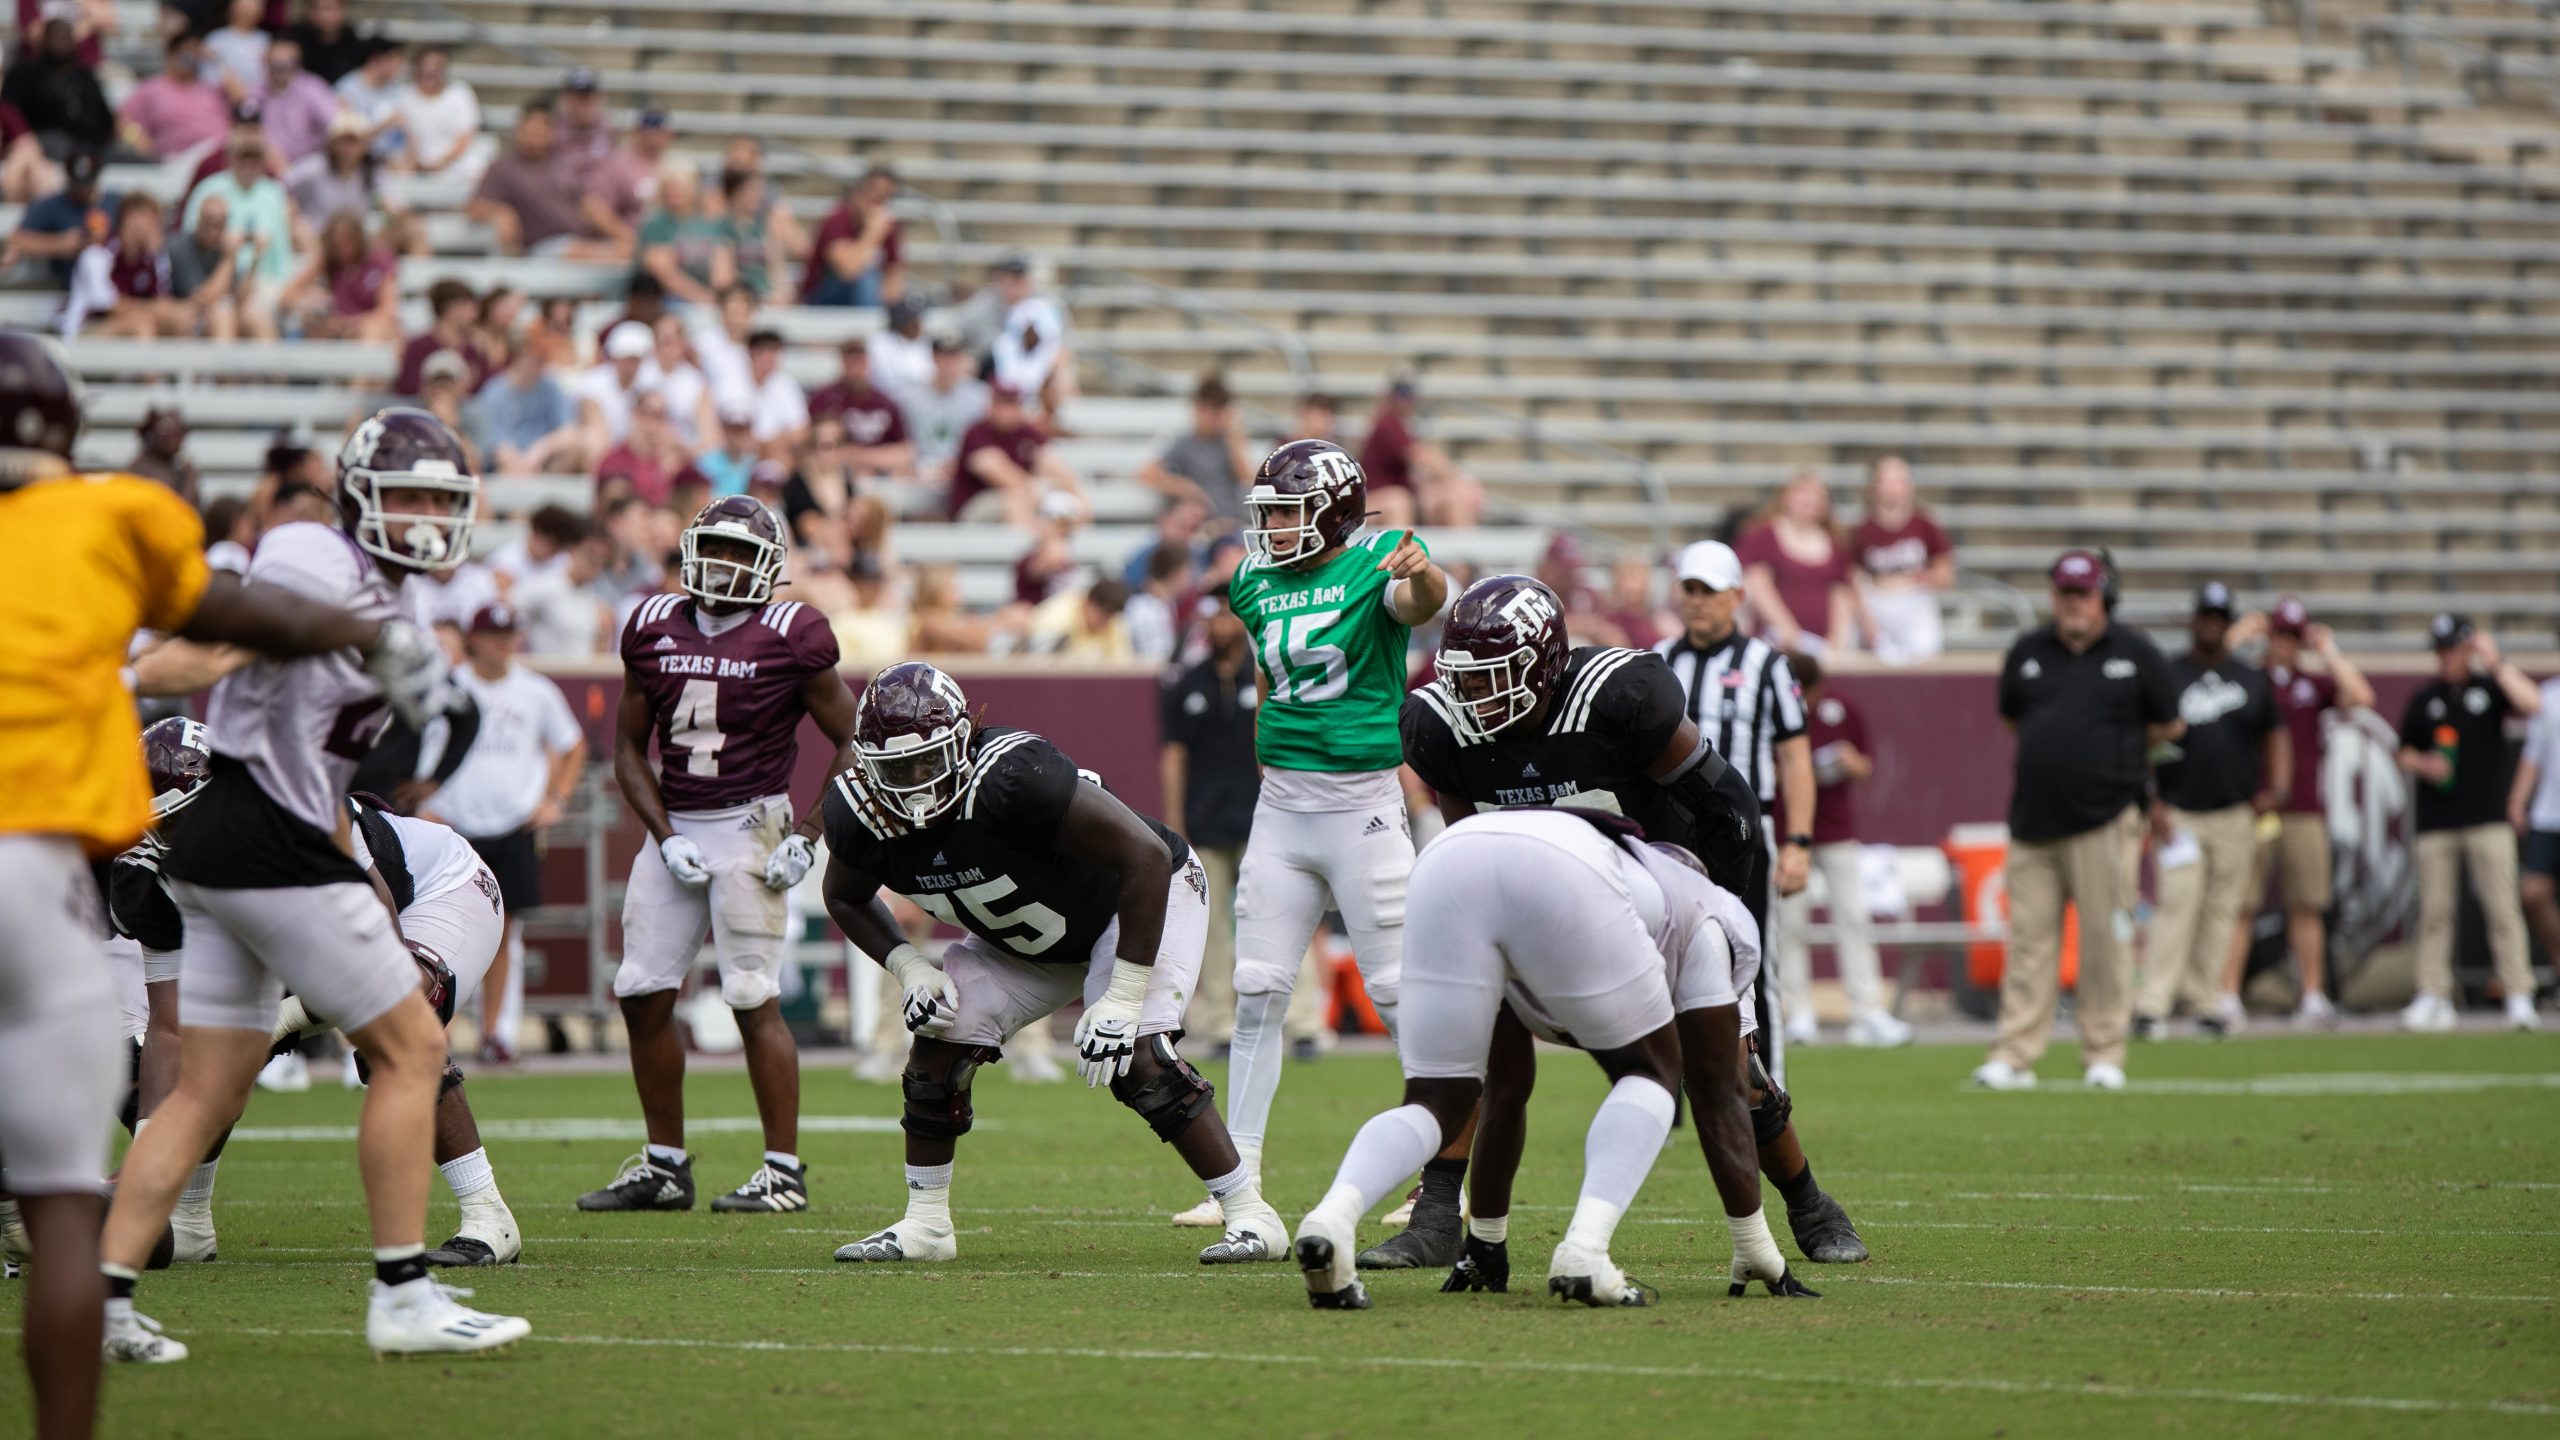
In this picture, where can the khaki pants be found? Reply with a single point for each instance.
(2199, 910)
(1211, 1018)
(1861, 974)
(2088, 869)
(2490, 851)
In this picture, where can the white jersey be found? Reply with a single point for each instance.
(440, 861)
(300, 726)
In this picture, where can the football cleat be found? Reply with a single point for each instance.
(286, 1074)
(191, 1239)
(645, 1184)
(423, 1317)
(903, 1241)
(134, 1338)
(1322, 1246)
(487, 1237)
(1589, 1277)
(1786, 1286)
(772, 1190)
(1484, 1267)
(1428, 1241)
(1824, 1234)
(1207, 1215)
(1254, 1234)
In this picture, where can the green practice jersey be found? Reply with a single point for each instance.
(1332, 657)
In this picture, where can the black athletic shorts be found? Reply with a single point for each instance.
(517, 864)
(2542, 853)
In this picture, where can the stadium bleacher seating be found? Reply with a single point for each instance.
(2242, 291)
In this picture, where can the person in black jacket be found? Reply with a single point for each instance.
(59, 96)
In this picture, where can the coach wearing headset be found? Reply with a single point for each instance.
(2089, 699)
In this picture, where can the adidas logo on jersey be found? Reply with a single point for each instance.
(666, 642)
(1528, 772)
(1377, 826)
(938, 858)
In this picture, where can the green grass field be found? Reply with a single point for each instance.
(2333, 1236)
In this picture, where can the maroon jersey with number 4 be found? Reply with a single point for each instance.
(727, 706)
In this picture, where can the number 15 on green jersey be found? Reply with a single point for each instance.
(1332, 657)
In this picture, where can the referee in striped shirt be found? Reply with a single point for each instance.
(1746, 703)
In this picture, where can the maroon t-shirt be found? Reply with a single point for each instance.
(138, 274)
(840, 224)
(727, 707)
(869, 418)
(2300, 697)
(356, 289)
(1386, 457)
(1835, 805)
(1022, 447)
(648, 479)
(1805, 589)
(1907, 549)
(413, 363)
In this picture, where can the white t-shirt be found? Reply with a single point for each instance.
(524, 721)
(436, 125)
(900, 366)
(514, 560)
(604, 387)
(558, 616)
(440, 861)
(724, 364)
(452, 599)
(683, 389)
(780, 406)
(2542, 747)
(1027, 349)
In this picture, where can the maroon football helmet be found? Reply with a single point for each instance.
(39, 403)
(179, 753)
(1308, 497)
(911, 736)
(407, 452)
(732, 553)
(1502, 652)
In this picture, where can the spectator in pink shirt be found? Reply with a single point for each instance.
(1906, 561)
(296, 105)
(624, 186)
(177, 110)
(1795, 569)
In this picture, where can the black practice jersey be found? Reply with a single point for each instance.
(138, 903)
(989, 864)
(1611, 718)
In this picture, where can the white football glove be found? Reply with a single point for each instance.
(932, 1002)
(410, 667)
(684, 861)
(789, 861)
(1107, 1036)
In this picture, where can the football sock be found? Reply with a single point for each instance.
(1624, 1140)
(468, 1175)
(1751, 1243)
(1391, 1146)
(1492, 1232)
(1253, 1066)
(782, 1158)
(1444, 1184)
(929, 1194)
(668, 1155)
(1799, 1189)
(399, 1264)
(196, 1201)
(119, 1288)
(1237, 1184)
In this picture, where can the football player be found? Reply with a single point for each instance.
(1516, 715)
(1066, 894)
(1567, 921)
(1329, 610)
(271, 897)
(720, 674)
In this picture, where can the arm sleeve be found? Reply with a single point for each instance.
(141, 910)
(1024, 792)
(168, 540)
(1427, 745)
(845, 834)
(1645, 704)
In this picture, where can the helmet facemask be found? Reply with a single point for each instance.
(920, 775)
(745, 575)
(414, 540)
(1271, 516)
(1487, 696)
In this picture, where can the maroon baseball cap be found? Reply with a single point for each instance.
(2289, 617)
(494, 619)
(2079, 570)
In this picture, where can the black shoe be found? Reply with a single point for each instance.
(2212, 1027)
(1484, 1267)
(1430, 1241)
(1303, 1050)
(461, 1251)
(645, 1184)
(2149, 1027)
(772, 1190)
(1824, 1234)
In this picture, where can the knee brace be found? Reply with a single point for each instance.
(939, 1109)
(1170, 1099)
(1770, 1106)
(451, 1081)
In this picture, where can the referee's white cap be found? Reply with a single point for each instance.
(1711, 563)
